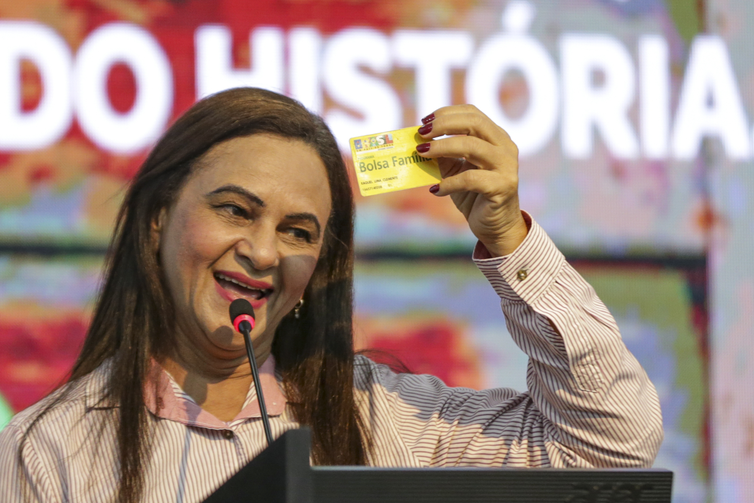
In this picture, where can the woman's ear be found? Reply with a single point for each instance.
(156, 230)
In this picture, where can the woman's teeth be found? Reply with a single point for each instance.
(257, 293)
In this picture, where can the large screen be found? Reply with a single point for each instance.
(633, 122)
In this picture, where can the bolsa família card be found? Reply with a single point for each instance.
(386, 162)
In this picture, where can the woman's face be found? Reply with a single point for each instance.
(249, 223)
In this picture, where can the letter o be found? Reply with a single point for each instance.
(139, 127)
(495, 58)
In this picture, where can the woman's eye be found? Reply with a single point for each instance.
(233, 209)
(302, 234)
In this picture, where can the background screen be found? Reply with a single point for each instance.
(633, 120)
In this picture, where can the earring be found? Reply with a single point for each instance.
(297, 308)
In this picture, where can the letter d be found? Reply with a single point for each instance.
(50, 120)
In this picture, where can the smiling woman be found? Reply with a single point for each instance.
(247, 190)
(247, 196)
(239, 230)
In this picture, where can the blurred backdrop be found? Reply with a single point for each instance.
(634, 122)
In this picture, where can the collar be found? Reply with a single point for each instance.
(165, 399)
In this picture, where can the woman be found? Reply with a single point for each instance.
(247, 195)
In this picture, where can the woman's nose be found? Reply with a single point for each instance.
(260, 248)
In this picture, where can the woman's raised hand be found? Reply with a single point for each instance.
(479, 167)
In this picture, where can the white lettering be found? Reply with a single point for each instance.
(434, 54)
(604, 106)
(654, 96)
(710, 103)
(135, 47)
(49, 121)
(373, 99)
(214, 60)
(303, 67)
(499, 55)
(595, 86)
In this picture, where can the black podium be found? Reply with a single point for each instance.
(281, 474)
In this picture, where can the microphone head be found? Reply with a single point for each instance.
(241, 310)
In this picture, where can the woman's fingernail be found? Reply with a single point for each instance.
(425, 129)
(428, 118)
(435, 188)
(422, 148)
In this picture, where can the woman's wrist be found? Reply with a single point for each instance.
(510, 240)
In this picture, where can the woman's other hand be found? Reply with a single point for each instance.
(479, 166)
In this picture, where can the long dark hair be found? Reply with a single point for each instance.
(314, 354)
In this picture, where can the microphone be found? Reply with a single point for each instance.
(242, 315)
(242, 318)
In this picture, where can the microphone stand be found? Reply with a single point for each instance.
(245, 330)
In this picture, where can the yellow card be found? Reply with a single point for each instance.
(386, 162)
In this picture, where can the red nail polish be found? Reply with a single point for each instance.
(435, 188)
(422, 148)
(425, 129)
(428, 118)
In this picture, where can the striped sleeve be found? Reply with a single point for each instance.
(589, 403)
(597, 405)
(22, 481)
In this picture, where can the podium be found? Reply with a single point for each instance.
(281, 474)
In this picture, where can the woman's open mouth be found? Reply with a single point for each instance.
(234, 286)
